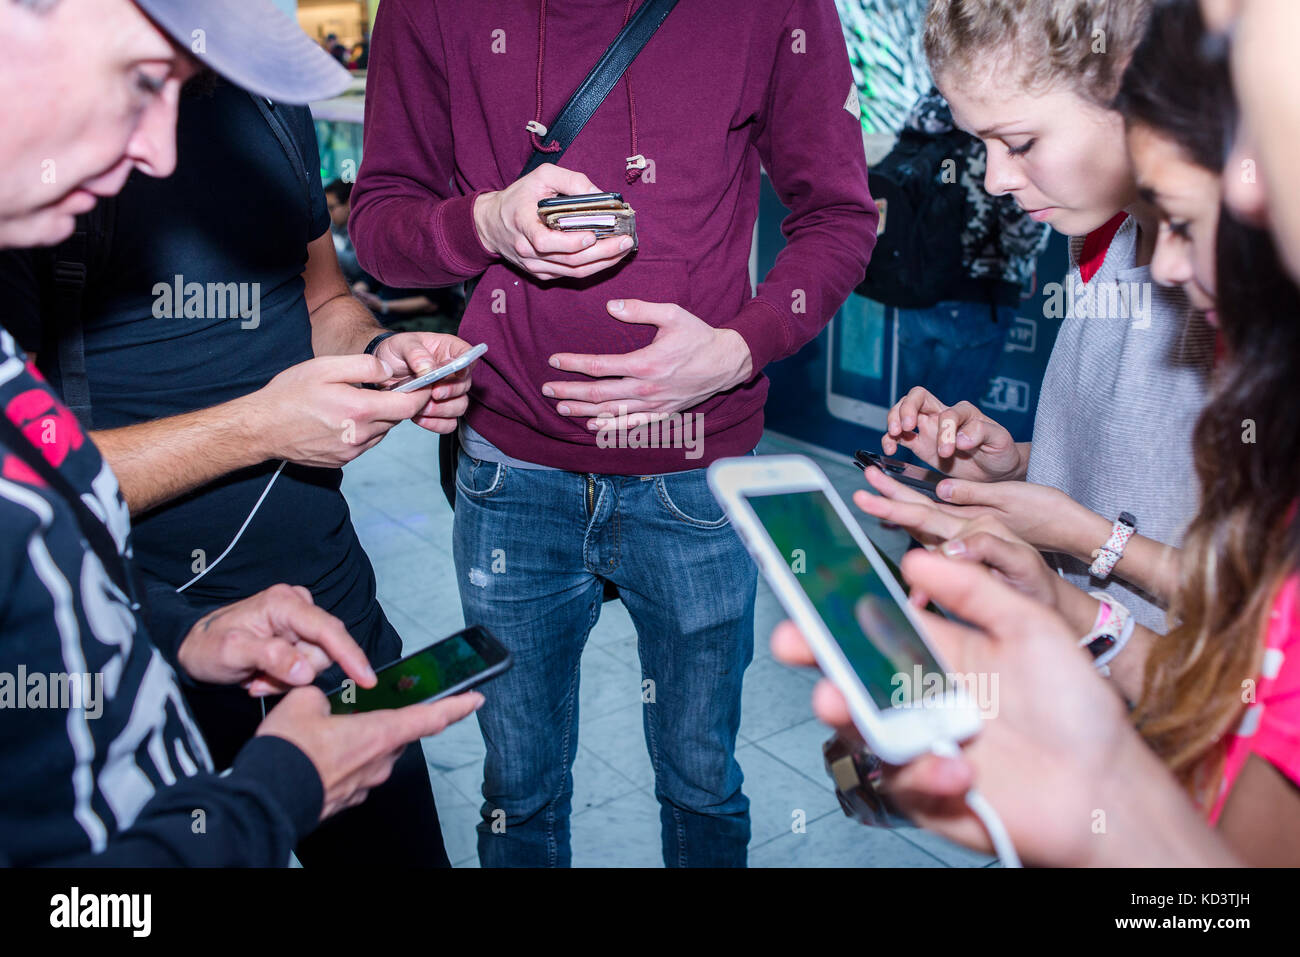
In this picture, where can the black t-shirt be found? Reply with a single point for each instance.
(199, 301)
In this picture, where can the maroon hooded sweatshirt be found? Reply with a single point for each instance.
(721, 87)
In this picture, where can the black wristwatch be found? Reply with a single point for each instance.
(374, 343)
(370, 351)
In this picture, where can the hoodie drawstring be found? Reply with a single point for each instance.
(536, 130)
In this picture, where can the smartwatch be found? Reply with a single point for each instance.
(1106, 557)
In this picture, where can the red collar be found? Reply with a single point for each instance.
(1096, 244)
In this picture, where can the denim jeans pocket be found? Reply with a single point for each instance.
(478, 479)
(687, 498)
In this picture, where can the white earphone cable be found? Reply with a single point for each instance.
(239, 534)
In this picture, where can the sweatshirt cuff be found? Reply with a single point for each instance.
(457, 236)
(170, 619)
(764, 330)
(287, 776)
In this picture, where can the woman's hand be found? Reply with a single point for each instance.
(1058, 760)
(982, 538)
(958, 439)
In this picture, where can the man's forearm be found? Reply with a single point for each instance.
(160, 460)
(342, 326)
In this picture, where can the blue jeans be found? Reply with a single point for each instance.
(532, 548)
(952, 348)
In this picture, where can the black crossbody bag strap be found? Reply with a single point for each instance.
(582, 104)
(93, 529)
(602, 79)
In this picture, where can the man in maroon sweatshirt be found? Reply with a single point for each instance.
(613, 376)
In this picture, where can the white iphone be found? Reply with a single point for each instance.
(451, 368)
(841, 593)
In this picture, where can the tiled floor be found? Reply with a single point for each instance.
(405, 525)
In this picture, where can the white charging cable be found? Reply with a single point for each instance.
(979, 804)
(239, 534)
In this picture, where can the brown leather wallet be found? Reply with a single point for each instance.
(603, 216)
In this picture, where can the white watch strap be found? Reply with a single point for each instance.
(1106, 557)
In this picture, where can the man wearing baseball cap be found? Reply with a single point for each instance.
(101, 761)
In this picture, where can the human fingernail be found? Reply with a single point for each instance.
(624, 244)
(616, 305)
(954, 549)
(548, 392)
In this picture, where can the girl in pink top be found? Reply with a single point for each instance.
(1270, 728)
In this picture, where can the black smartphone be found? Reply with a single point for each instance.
(447, 667)
(924, 480)
(583, 199)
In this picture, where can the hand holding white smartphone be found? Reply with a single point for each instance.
(839, 591)
(462, 361)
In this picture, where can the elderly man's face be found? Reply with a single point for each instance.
(88, 92)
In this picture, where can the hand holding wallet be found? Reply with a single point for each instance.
(605, 214)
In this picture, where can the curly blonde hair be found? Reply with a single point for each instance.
(1083, 45)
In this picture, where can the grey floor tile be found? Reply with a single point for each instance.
(594, 782)
(459, 746)
(411, 446)
(415, 573)
(951, 854)
(618, 738)
(433, 600)
(458, 818)
(622, 833)
(607, 684)
(800, 747)
(835, 841)
(780, 798)
(624, 650)
(774, 698)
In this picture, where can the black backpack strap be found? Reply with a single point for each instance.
(602, 79)
(288, 142)
(72, 264)
(71, 270)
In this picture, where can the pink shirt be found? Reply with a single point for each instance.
(1270, 727)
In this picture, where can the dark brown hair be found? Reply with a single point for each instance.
(1243, 542)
